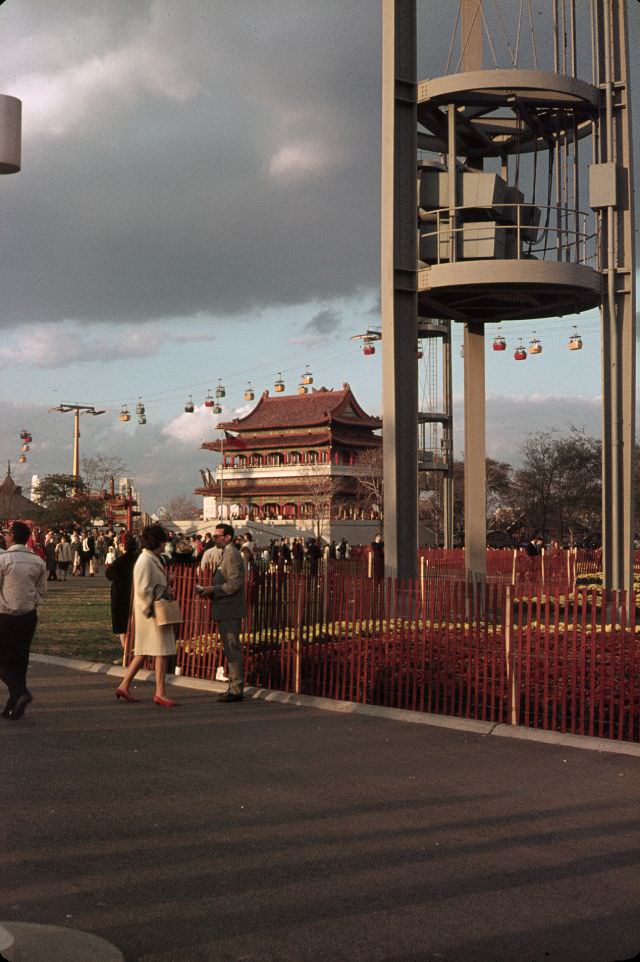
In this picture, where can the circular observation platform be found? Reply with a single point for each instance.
(505, 111)
(506, 290)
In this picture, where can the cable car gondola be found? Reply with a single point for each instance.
(368, 349)
(141, 413)
(575, 341)
(535, 346)
(189, 407)
(216, 409)
(124, 415)
(24, 447)
(307, 377)
(220, 391)
(208, 401)
(499, 343)
(302, 388)
(248, 394)
(279, 385)
(26, 437)
(22, 459)
(520, 353)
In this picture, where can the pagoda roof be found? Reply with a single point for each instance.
(283, 441)
(13, 504)
(320, 406)
(270, 440)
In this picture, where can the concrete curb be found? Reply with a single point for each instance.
(559, 739)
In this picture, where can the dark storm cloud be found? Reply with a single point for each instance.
(207, 158)
(322, 328)
(324, 323)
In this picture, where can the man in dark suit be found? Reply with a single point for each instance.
(229, 607)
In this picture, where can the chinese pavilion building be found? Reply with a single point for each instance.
(296, 458)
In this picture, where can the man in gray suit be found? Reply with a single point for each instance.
(229, 607)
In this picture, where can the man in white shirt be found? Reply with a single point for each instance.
(22, 587)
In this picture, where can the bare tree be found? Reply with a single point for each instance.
(319, 490)
(558, 488)
(370, 490)
(180, 508)
(97, 472)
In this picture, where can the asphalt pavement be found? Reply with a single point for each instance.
(266, 832)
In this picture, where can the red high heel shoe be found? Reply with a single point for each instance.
(121, 693)
(164, 702)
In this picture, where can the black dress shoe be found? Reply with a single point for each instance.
(229, 696)
(6, 711)
(21, 703)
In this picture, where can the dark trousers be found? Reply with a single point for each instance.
(230, 635)
(16, 633)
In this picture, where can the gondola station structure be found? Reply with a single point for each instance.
(294, 463)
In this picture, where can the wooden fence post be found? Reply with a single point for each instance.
(509, 658)
(298, 639)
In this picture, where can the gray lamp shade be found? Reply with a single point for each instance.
(10, 134)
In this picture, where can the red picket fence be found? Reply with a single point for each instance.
(553, 657)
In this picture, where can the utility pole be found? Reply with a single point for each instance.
(77, 410)
(222, 475)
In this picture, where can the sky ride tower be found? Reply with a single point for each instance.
(521, 154)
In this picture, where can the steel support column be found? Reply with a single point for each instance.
(398, 287)
(475, 484)
(475, 459)
(618, 305)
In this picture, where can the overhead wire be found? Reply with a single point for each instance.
(238, 379)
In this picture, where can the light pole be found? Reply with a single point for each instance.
(77, 409)
(221, 474)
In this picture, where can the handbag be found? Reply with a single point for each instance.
(167, 612)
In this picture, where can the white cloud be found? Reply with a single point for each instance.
(511, 419)
(61, 99)
(55, 346)
(194, 428)
(299, 158)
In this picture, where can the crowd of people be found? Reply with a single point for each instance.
(79, 553)
(292, 552)
(75, 552)
(139, 580)
(137, 570)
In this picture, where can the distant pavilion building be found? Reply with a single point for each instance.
(13, 504)
(297, 459)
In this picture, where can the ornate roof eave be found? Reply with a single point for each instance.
(322, 408)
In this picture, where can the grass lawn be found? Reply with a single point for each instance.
(74, 621)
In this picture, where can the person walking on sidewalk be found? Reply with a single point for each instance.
(120, 573)
(64, 556)
(229, 607)
(151, 639)
(22, 588)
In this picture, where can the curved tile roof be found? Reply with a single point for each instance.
(320, 406)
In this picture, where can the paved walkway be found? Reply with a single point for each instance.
(267, 832)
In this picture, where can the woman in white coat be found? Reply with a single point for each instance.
(151, 639)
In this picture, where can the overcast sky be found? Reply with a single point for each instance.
(199, 200)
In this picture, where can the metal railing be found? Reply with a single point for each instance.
(571, 239)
